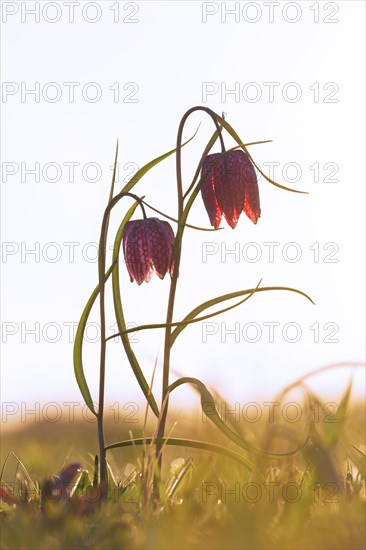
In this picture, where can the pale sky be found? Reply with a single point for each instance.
(292, 72)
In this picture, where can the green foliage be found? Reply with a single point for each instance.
(210, 500)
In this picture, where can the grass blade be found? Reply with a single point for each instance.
(140, 173)
(176, 221)
(78, 344)
(235, 136)
(78, 347)
(212, 447)
(208, 406)
(111, 191)
(192, 319)
(219, 299)
(334, 429)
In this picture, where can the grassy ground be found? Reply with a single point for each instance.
(314, 498)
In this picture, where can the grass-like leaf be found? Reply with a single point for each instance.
(209, 408)
(111, 191)
(334, 429)
(181, 442)
(191, 317)
(78, 363)
(78, 344)
(359, 459)
(235, 136)
(188, 318)
(78, 347)
(301, 380)
(176, 221)
(208, 148)
(182, 324)
(140, 173)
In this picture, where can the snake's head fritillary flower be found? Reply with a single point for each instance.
(230, 187)
(56, 489)
(147, 247)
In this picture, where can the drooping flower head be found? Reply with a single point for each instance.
(56, 489)
(230, 187)
(147, 247)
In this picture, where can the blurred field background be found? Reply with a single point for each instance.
(314, 498)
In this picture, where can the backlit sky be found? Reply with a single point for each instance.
(296, 76)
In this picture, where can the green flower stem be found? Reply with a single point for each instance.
(174, 280)
(102, 281)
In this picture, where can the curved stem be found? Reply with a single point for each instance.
(174, 280)
(102, 281)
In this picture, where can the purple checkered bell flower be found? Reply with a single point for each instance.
(230, 187)
(147, 247)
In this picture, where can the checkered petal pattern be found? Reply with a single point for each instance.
(147, 247)
(229, 188)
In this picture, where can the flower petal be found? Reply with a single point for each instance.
(251, 203)
(229, 187)
(214, 211)
(171, 241)
(136, 251)
(68, 473)
(160, 239)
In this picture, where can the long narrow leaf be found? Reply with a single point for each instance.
(111, 191)
(78, 347)
(235, 136)
(208, 406)
(190, 318)
(335, 425)
(219, 299)
(300, 381)
(212, 447)
(207, 149)
(140, 173)
(78, 344)
(176, 221)
(180, 323)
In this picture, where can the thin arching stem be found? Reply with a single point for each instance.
(101, 273)
(174, 279)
